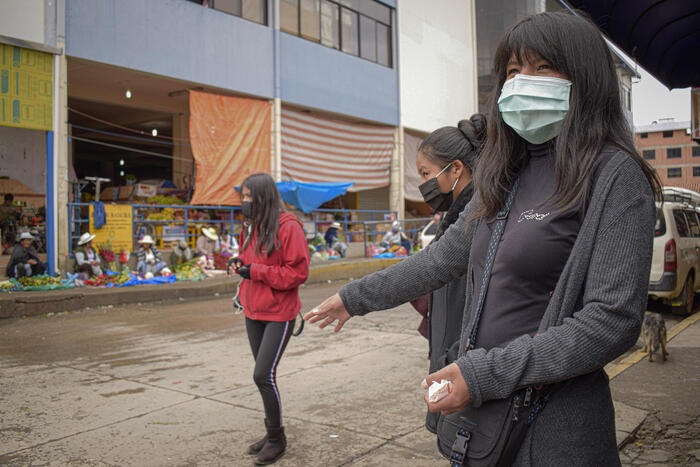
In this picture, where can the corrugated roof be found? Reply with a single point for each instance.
(662, 126)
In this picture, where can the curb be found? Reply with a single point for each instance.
(22, 304)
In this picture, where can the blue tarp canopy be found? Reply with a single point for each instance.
(661, 35)
(309, 196)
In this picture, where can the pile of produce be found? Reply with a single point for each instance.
(189, 271)
(6, 286)
(39, 281)
(106, 280)
(166, 214)
(160, 199)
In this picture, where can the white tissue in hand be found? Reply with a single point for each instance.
(437, 391)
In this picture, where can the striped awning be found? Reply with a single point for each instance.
(316, 149)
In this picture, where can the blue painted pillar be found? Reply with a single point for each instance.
(50, 204)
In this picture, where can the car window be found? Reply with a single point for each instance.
(660, 226)
(432, 230)
(681, 224)
(693, 224)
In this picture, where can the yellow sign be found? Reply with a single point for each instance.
(26, 88)
(117, 229)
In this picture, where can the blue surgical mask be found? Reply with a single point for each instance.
(535, 106)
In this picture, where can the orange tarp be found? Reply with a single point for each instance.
(230, 139)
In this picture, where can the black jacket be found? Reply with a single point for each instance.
(21, 255)
(446, 307)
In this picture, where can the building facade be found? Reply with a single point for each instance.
(333, 88)
(667, 145)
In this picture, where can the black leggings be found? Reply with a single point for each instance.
(267, 341)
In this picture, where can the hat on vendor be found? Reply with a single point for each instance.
(85, 238)
(335, 225)
(146, 239)
(210, 233)
(26, 236)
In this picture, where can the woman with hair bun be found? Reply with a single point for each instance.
(445, 162)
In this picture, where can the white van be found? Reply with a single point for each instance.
(675, 265)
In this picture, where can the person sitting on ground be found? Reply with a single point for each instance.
(332, 240)
(25, 260)
(180, 255)
(87, 259)
(229, 244)
(396, 238)
(206, 243)
(150, 262)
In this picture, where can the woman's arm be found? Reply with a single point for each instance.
(294, 269)
(607, 324)
(427, 270)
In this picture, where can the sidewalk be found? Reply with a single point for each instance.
(667, 390)
(20, 304)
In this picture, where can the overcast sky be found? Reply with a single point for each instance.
(651, 100)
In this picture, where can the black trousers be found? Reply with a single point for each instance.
(268, 340)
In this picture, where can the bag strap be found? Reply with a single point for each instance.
(498, 229)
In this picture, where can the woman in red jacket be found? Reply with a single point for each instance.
(273, 263)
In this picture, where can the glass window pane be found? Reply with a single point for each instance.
(311, 19)
(330, 35)
(348, 32)
(384, 45)
(232, 7)
(368, 38)
(254, 10)
(289, 16)
(681, 225)
(375, 10)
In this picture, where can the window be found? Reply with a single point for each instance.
(681, 225)
(358, 27)
(644, 135)
(625, 97)
(253, 10)
(696, 171)
(675, 172)
(330, 34)
(673, 153)
(696, 151)
(668, 134)
(660, 226)
(649, 154)
(693, 225)
(289, 16)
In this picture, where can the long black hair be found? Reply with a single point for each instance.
(574, 47)
(266, 208)
(449, 143)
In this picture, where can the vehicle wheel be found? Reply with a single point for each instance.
(688, 298)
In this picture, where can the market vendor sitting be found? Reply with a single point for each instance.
(180, 255)
(87, 259)
(206, 243)
(229, 244)
(25, 260)
(149, 260)
(396, 238)
(332, 241)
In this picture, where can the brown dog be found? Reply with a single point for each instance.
(654, 334)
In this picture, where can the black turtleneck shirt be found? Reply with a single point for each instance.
(534, 247)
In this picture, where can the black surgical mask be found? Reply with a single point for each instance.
(247, 209)
(432, 195)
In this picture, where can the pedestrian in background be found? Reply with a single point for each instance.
(556, 245)
(273, 263)
(445, 161)
(87, 259)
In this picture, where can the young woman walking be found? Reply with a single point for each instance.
(445, 162)
(556, 245)
(273, 263)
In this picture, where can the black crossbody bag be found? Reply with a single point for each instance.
(492, 434)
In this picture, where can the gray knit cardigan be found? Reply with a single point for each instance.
(593, 316)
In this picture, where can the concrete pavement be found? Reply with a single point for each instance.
(170, 383)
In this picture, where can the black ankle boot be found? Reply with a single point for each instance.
(274, 446)
(257, 446)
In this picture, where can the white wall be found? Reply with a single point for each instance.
(22, 19)
(23, 156)
(437, 63)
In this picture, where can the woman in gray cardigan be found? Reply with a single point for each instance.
(568, 286)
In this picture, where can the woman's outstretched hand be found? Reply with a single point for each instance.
(457, 399)
(330, 310)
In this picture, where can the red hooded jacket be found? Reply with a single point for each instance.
(272, 292)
